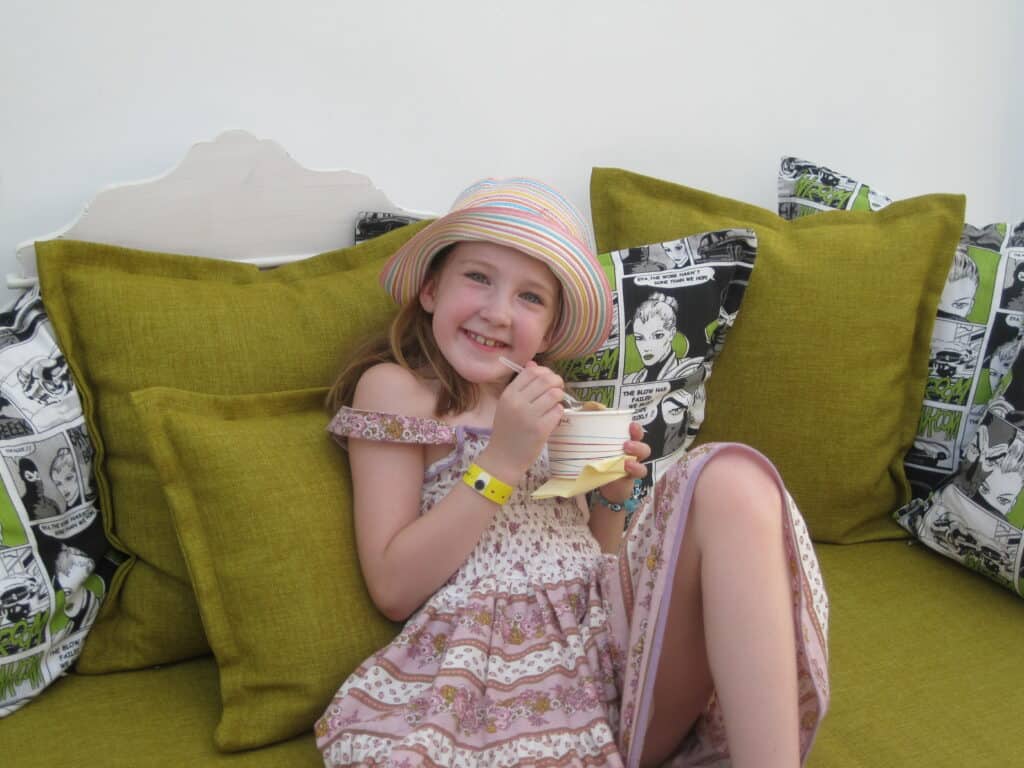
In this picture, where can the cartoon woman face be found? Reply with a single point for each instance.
(676, 251)
(1002, 361)
(653, 339)
(958, 297)
(1000, 488)
(674, 406)
(62, 472)
(67, 483)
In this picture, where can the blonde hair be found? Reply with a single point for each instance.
(659, 305)
(963, 266)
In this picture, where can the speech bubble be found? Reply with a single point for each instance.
(681, 279)
(638, 395)
(18, 450)
(646, 414)
(1015, 321)
(68, 525)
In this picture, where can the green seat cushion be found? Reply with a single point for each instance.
(922, 661)
(262, 504)
(825, 368)
(158, 718)
(128, 320)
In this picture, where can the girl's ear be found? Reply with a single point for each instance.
(428, 294)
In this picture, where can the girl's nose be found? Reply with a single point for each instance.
(498, 310)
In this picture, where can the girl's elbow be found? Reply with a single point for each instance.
(391, 604)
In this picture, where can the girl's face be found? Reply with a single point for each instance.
(653, 339)
(490, 301)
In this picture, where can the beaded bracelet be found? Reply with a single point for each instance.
(628, 505)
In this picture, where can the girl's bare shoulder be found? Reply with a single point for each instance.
(390, 388)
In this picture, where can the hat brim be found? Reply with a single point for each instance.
(585, 320)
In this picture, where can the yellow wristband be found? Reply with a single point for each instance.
(487, 485)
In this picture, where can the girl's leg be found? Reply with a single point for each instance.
(730, 621)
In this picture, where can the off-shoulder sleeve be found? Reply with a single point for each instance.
(389, 427)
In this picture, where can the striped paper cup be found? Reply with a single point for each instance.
(582, 437)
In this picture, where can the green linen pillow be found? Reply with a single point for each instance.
(128, 320)
(826, 365)
(966, 466)
(977, 329)
(262, 504)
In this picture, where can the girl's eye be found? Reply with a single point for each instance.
(533, 298)
(479, 277)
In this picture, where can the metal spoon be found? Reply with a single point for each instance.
(567, 400)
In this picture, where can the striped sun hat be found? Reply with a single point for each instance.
(531, 217)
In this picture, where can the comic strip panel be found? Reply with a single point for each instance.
(38, 387)
(977, 517)
(953, 358)
(52, 477)
(600, 366)
(806, 188)
(1004, 344)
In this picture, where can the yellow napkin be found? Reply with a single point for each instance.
(594, 475)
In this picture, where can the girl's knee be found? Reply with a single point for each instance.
(737, 491)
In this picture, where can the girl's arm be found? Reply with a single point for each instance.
(406, 557)
(606, 525)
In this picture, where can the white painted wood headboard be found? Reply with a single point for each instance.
(236, 197)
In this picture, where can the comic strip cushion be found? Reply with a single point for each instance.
(371, 224)
(675, 303)
(836, 418)
(54, 569)
(964, 477)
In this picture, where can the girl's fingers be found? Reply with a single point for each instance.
(637, 448)
(545, 386)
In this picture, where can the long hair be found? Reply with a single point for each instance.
(409, 342)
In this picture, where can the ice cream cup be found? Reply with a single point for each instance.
(583, 437)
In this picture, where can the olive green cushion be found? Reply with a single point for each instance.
(157, 718)
(129, 319)
(923, 661)
(825, 368)
(262, 504)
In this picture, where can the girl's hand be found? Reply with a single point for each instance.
(636, 451)
(527, 412)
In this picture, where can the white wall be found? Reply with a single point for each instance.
(913, 96)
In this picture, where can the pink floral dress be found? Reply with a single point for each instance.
(540, 650)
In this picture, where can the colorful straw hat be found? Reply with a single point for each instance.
(529, 216)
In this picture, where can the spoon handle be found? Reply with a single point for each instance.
(567, 400)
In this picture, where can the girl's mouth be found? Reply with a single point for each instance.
(485, 341)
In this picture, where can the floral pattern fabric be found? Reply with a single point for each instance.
(538, 649)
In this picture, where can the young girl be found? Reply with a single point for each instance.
(536, 633)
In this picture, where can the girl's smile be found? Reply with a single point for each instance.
(485, 341)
